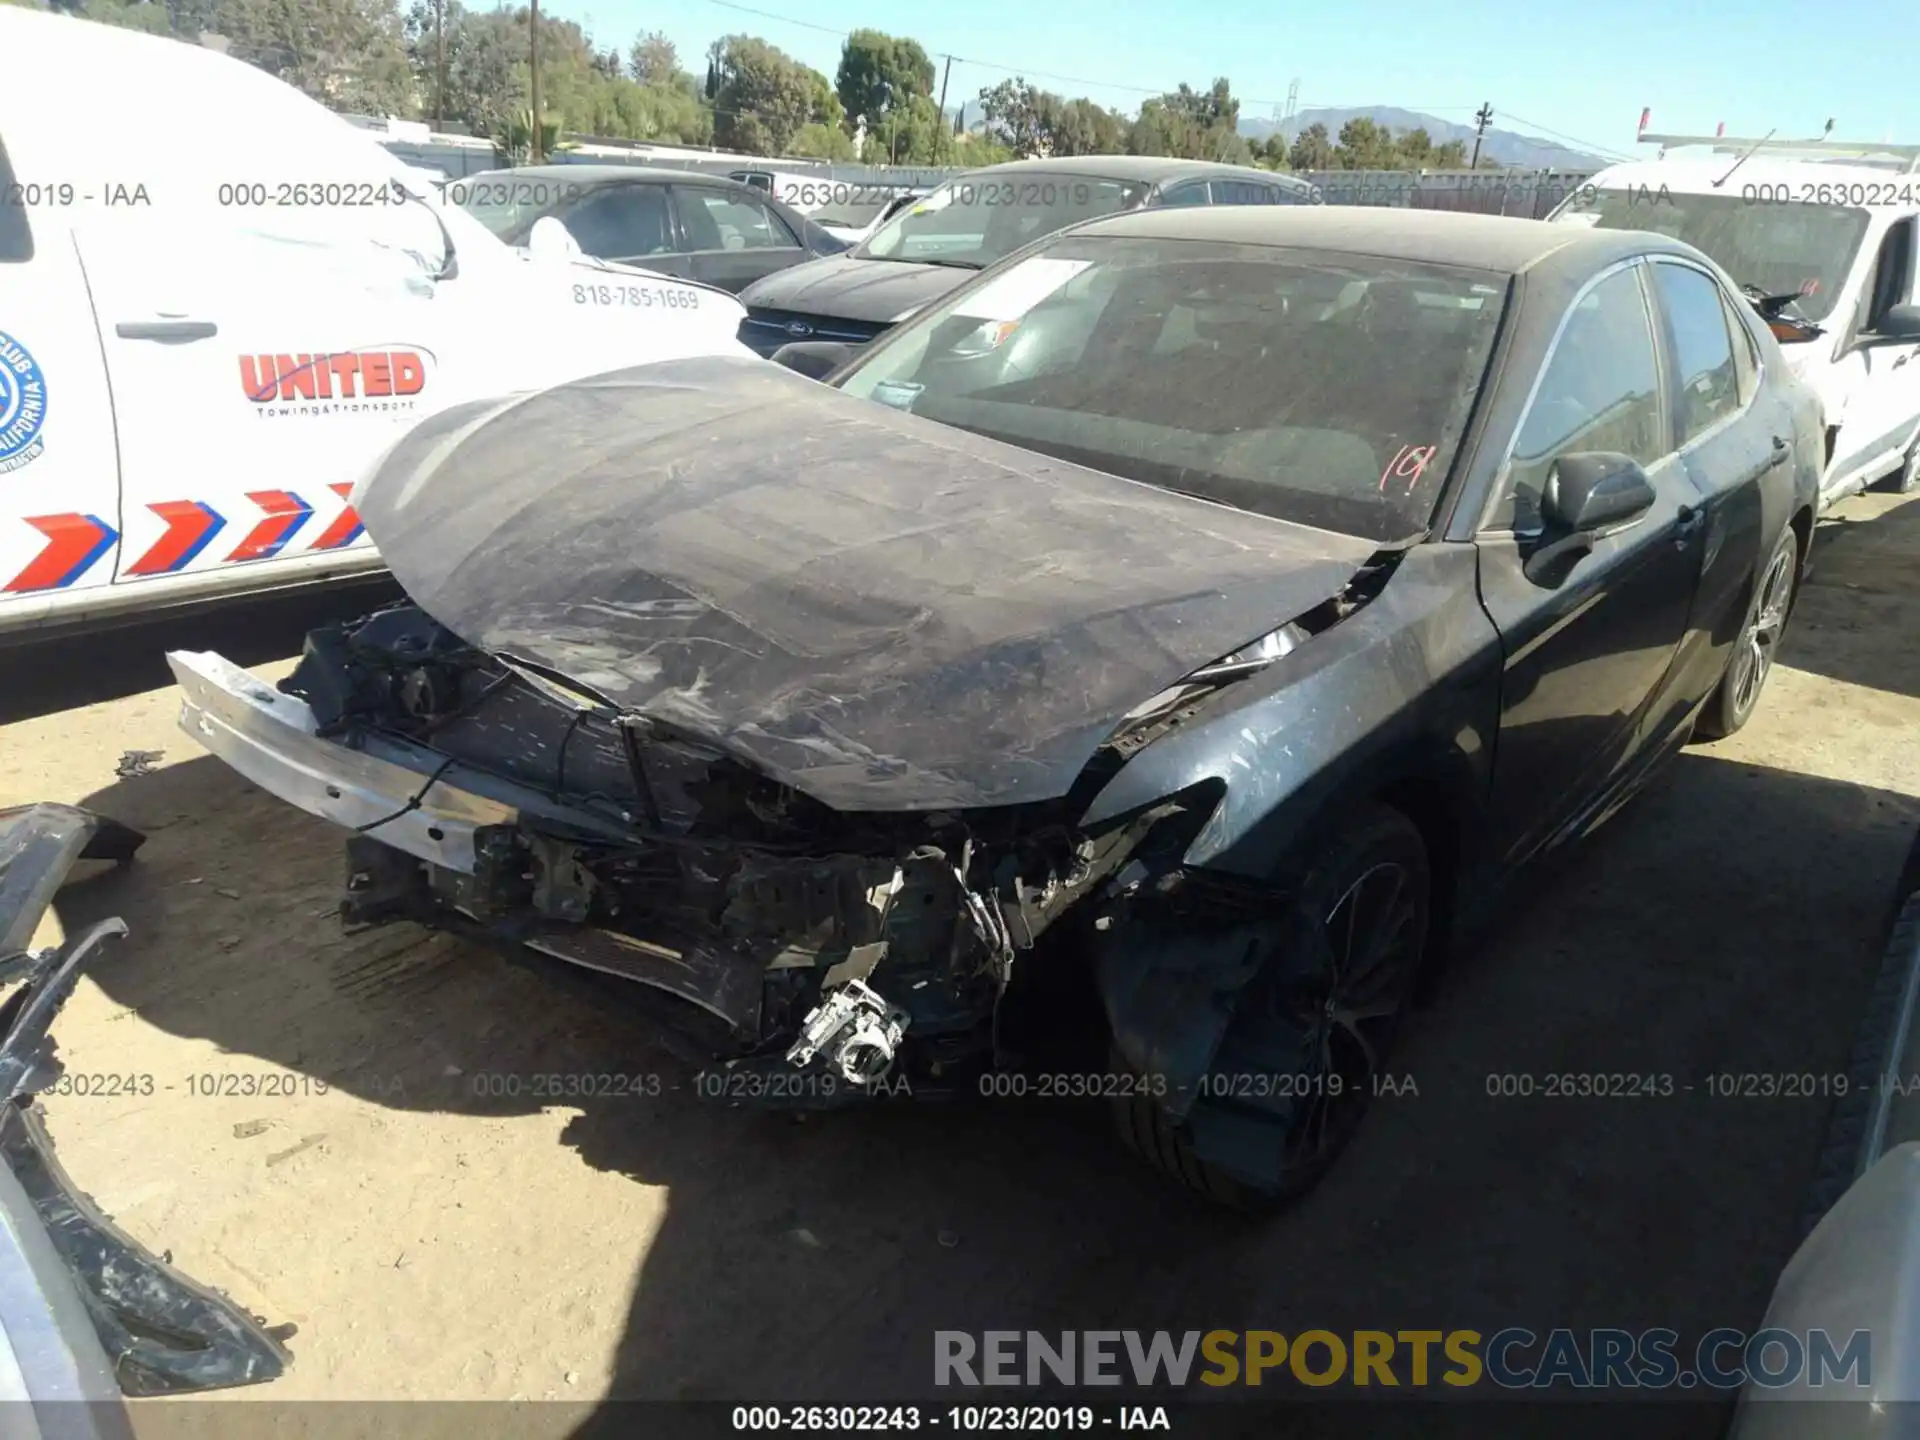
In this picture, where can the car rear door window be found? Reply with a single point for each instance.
(1600, 391)
(622, 220)
(1194, 192)
(1746, 355)
(731, 223)
(1241, 192)
(1703, 351)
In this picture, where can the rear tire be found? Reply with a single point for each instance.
(1315, 1022)
(1738, 694)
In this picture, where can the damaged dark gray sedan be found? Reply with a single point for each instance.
(1228, 600)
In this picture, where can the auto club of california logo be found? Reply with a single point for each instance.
(23, 405)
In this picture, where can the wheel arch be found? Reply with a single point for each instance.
(1168, 988)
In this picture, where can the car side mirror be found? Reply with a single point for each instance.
(1594, 490)
(1587, 494)
(1901, 323)
(815, 359)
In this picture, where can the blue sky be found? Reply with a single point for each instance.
(1582, 70)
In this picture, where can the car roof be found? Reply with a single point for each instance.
(602, 174)
(1729, 175)
(1130, 167)
(1498, 243)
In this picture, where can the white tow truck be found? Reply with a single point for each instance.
(1822, 236)
(220, 305)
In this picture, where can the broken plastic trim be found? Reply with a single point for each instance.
(163, 1333)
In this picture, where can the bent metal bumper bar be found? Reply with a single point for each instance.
(406, 796)
(400, 792)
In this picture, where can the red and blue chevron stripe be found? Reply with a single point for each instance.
(286, 512)
(191, 526)
(74, 543)
(346, 527)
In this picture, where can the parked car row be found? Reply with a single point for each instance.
(930, 247)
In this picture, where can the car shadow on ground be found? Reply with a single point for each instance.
(1724, 924)
(1865, 574)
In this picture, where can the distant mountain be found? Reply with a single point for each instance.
(1505, 146)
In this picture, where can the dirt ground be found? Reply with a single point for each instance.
(435, 1235)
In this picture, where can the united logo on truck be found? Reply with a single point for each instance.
(336, 382)
(23, 405)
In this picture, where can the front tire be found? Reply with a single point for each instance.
(1738, 694)
(1311, 1029)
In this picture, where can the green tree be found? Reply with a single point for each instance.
(823, 142)
(513, 141)
(1364, 146)
(1016, 116)
(144, 15)
(486, 64)
(879, 75)
(654, 59)
(1193, 124)
(349, 54)
(1312, 149)
(764, 96)
(1080, 127)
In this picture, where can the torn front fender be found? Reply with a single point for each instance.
(150, 1329)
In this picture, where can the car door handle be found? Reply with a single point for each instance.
(1905, 355)
(1781, 451)
(166, 329)
(1686, 523)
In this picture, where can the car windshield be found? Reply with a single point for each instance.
(977, 219)
(1781, 249)
(1319, 387)
(849, 214)
(508, 204)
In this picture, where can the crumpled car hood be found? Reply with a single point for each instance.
(881, 611)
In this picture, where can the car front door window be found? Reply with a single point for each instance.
(1601, 391)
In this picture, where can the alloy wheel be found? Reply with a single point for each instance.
(1760, 641)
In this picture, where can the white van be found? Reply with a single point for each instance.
(1823, 238)
(220, 304)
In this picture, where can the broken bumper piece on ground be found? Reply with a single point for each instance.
(153, 1331)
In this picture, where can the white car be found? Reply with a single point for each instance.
(221, 304)
(859, 217)
(1822, 237)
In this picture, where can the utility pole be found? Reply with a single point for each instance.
(533, 42)
(945, 75)
(440, 64)
(1482, 118)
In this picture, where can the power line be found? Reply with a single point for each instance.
(1602, 150)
